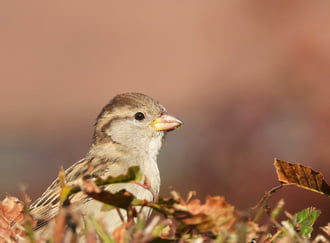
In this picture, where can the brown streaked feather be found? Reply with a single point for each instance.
(46, 207)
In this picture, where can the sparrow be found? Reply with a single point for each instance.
(129, 131)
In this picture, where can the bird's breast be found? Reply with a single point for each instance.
(151, 172)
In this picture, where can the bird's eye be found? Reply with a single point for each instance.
(139, 116)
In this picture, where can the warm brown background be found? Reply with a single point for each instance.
(249, 78)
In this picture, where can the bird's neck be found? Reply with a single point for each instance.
(108, 151)
(145, 158)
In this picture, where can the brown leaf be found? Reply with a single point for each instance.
(11, 213)
(219, 214)
(120, 199)
(213, 216)
(301, 176)
(208, 220)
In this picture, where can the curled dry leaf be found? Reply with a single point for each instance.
(12, 209)
(214, 216)
(11, 213)
(301, 176)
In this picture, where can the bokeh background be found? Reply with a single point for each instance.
(250, 79)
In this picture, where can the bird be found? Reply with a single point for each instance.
(129, 131)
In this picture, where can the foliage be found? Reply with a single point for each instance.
(176, 219)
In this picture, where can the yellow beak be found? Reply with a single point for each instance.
(166, 123)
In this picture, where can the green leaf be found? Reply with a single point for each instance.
(106, 238)
(67, 191)
(133, 174)
(305, 220)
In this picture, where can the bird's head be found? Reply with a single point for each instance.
(133, 121)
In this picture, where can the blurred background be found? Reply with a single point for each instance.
(250, 79)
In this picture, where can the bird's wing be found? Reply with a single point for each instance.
(47, 206)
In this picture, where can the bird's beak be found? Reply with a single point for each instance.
(166, 123)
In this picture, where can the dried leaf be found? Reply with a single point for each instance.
(121, 199)
(213, 216)
(11, 213)
(301, 176)
(12, 209)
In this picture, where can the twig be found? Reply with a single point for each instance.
(263, 203)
